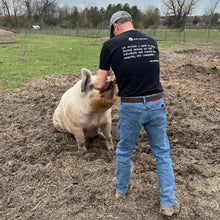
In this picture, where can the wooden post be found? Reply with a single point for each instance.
(208, 36)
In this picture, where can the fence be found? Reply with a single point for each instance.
(205, 35)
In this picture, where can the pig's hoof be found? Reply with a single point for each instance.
(110, 146)
(82, 149)
(81, 152)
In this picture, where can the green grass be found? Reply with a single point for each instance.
(41, 55)
(38, 55)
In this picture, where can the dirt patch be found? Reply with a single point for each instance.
(43, 177)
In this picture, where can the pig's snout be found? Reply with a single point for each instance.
(109, 92)
(102, 101)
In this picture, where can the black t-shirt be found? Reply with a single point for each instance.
(134, 58)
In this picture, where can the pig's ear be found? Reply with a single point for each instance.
(86, 79)
(110, 72)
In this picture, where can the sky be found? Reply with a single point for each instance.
(141, 4)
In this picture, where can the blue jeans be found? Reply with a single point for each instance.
(151, 115)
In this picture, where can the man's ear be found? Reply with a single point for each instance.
(86, 79)
(115, 26)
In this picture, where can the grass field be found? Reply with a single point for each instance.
(37, 55)
(41, 55)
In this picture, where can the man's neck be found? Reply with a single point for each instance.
(127, 27)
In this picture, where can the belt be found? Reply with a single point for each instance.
(147, 99)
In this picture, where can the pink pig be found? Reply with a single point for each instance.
(86, 112)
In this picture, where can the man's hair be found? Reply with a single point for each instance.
(120, 21)
(123, 20)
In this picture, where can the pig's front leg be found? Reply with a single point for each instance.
(106, 130)
(80, 139)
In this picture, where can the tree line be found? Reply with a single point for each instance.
(47, 13)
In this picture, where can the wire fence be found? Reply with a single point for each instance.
(204, 35)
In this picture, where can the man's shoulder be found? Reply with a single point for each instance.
(111, 41)
(128, 36)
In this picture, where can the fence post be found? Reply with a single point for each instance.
(97, 35)
(165, 35)
(184, 36)
(208, 36)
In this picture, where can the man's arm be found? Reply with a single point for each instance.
(100, 81)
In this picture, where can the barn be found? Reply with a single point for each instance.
(6, 35)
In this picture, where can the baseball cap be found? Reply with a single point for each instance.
(115, 17)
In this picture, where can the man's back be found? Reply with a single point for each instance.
(134, 58)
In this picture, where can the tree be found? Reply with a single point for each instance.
(178, 10)
(15, 8)
(152, 17)
(111, 9)
(43, 8)
(74, 15)
(6, 11)
(28, 6)
(195, 20)
(135, 13)
(211, 11)
(95, 17)
(136, 16)
(10, 9)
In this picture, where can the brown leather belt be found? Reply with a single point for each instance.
(147, 99)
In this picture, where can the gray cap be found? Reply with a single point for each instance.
(118, 15)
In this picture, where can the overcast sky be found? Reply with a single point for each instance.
(141, 4)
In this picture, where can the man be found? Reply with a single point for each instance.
(134, 58)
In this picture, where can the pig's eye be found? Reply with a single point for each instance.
(91, 86)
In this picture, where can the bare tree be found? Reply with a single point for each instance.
(28, 6)
(42, 8)
(6, 10)
(16, 9)
(10, 9)
(179, 9)
(211, 10)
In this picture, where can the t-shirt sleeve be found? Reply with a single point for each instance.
(105, 58)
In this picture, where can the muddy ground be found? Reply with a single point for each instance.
(43, 177)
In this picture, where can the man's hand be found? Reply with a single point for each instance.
(110, 82)
(110, 78)
(100, 80)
